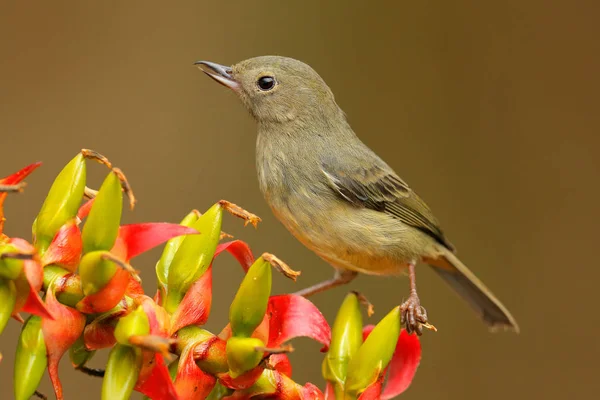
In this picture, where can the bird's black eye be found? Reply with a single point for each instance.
(266, 82)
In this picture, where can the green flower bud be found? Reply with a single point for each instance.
(62, 202)
(71, 292)
(122, 372)
(10, 268)
(30, 359)
(8, 298)
(249, 306)
(193, 257)
(162, 267)
(133, 324)
(346, 339)
(374, 355)
(102, 224)
(242, 355)
(95, 271)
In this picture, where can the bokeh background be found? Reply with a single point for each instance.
(488, 109)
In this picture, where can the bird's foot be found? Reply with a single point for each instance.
(414, 316)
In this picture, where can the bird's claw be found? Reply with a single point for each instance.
(414, 316)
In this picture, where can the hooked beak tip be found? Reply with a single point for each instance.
(220, 73)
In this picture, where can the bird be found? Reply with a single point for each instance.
(339, 198)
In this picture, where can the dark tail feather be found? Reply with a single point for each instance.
(470, 288)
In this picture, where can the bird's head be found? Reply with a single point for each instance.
(276, 89)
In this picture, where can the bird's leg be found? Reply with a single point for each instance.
(341, 277)
(414, 317)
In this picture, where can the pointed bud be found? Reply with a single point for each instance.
(96, 271)
(102, 224)
(374, 355)
(62, 202)
(69, 290)
(346, 339)
(242, 355)
(250, 303)
(8, 298)
(30, 359)
(134, 324)
(122, 371)
(162, 267)
(10, 267)
(193, 257)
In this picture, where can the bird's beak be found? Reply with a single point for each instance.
(219, 73)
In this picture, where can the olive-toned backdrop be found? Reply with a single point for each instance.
(488, 109)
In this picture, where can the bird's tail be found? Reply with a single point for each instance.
(470, 288)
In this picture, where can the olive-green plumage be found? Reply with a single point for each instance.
(332, 192)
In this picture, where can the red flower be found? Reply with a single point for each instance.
(401, 370)
(13, 179)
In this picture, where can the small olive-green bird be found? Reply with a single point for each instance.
(336, 196)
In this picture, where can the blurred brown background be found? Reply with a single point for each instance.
(490, 111)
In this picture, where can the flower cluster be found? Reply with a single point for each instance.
(76, 282)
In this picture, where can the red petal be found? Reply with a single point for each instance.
(29, 283)
(194, 309)
(403, 366)
(158, 384)
(329, 392)
(281, 363)
(107, 297)
(243, 381)
(19, 175)
(12, 180)
(154, 380)
(66, 247)
(99, 335)
(84, 210)
(367, 331)
(134, 288)
(34, 305)
(191, 382)
(373, 392)
(311, 392)
(293, 316)
(157, 317)
(240, 250)
(59, 334)
(35, 276)
(139, 238)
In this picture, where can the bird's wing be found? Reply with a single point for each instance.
(378, 188)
